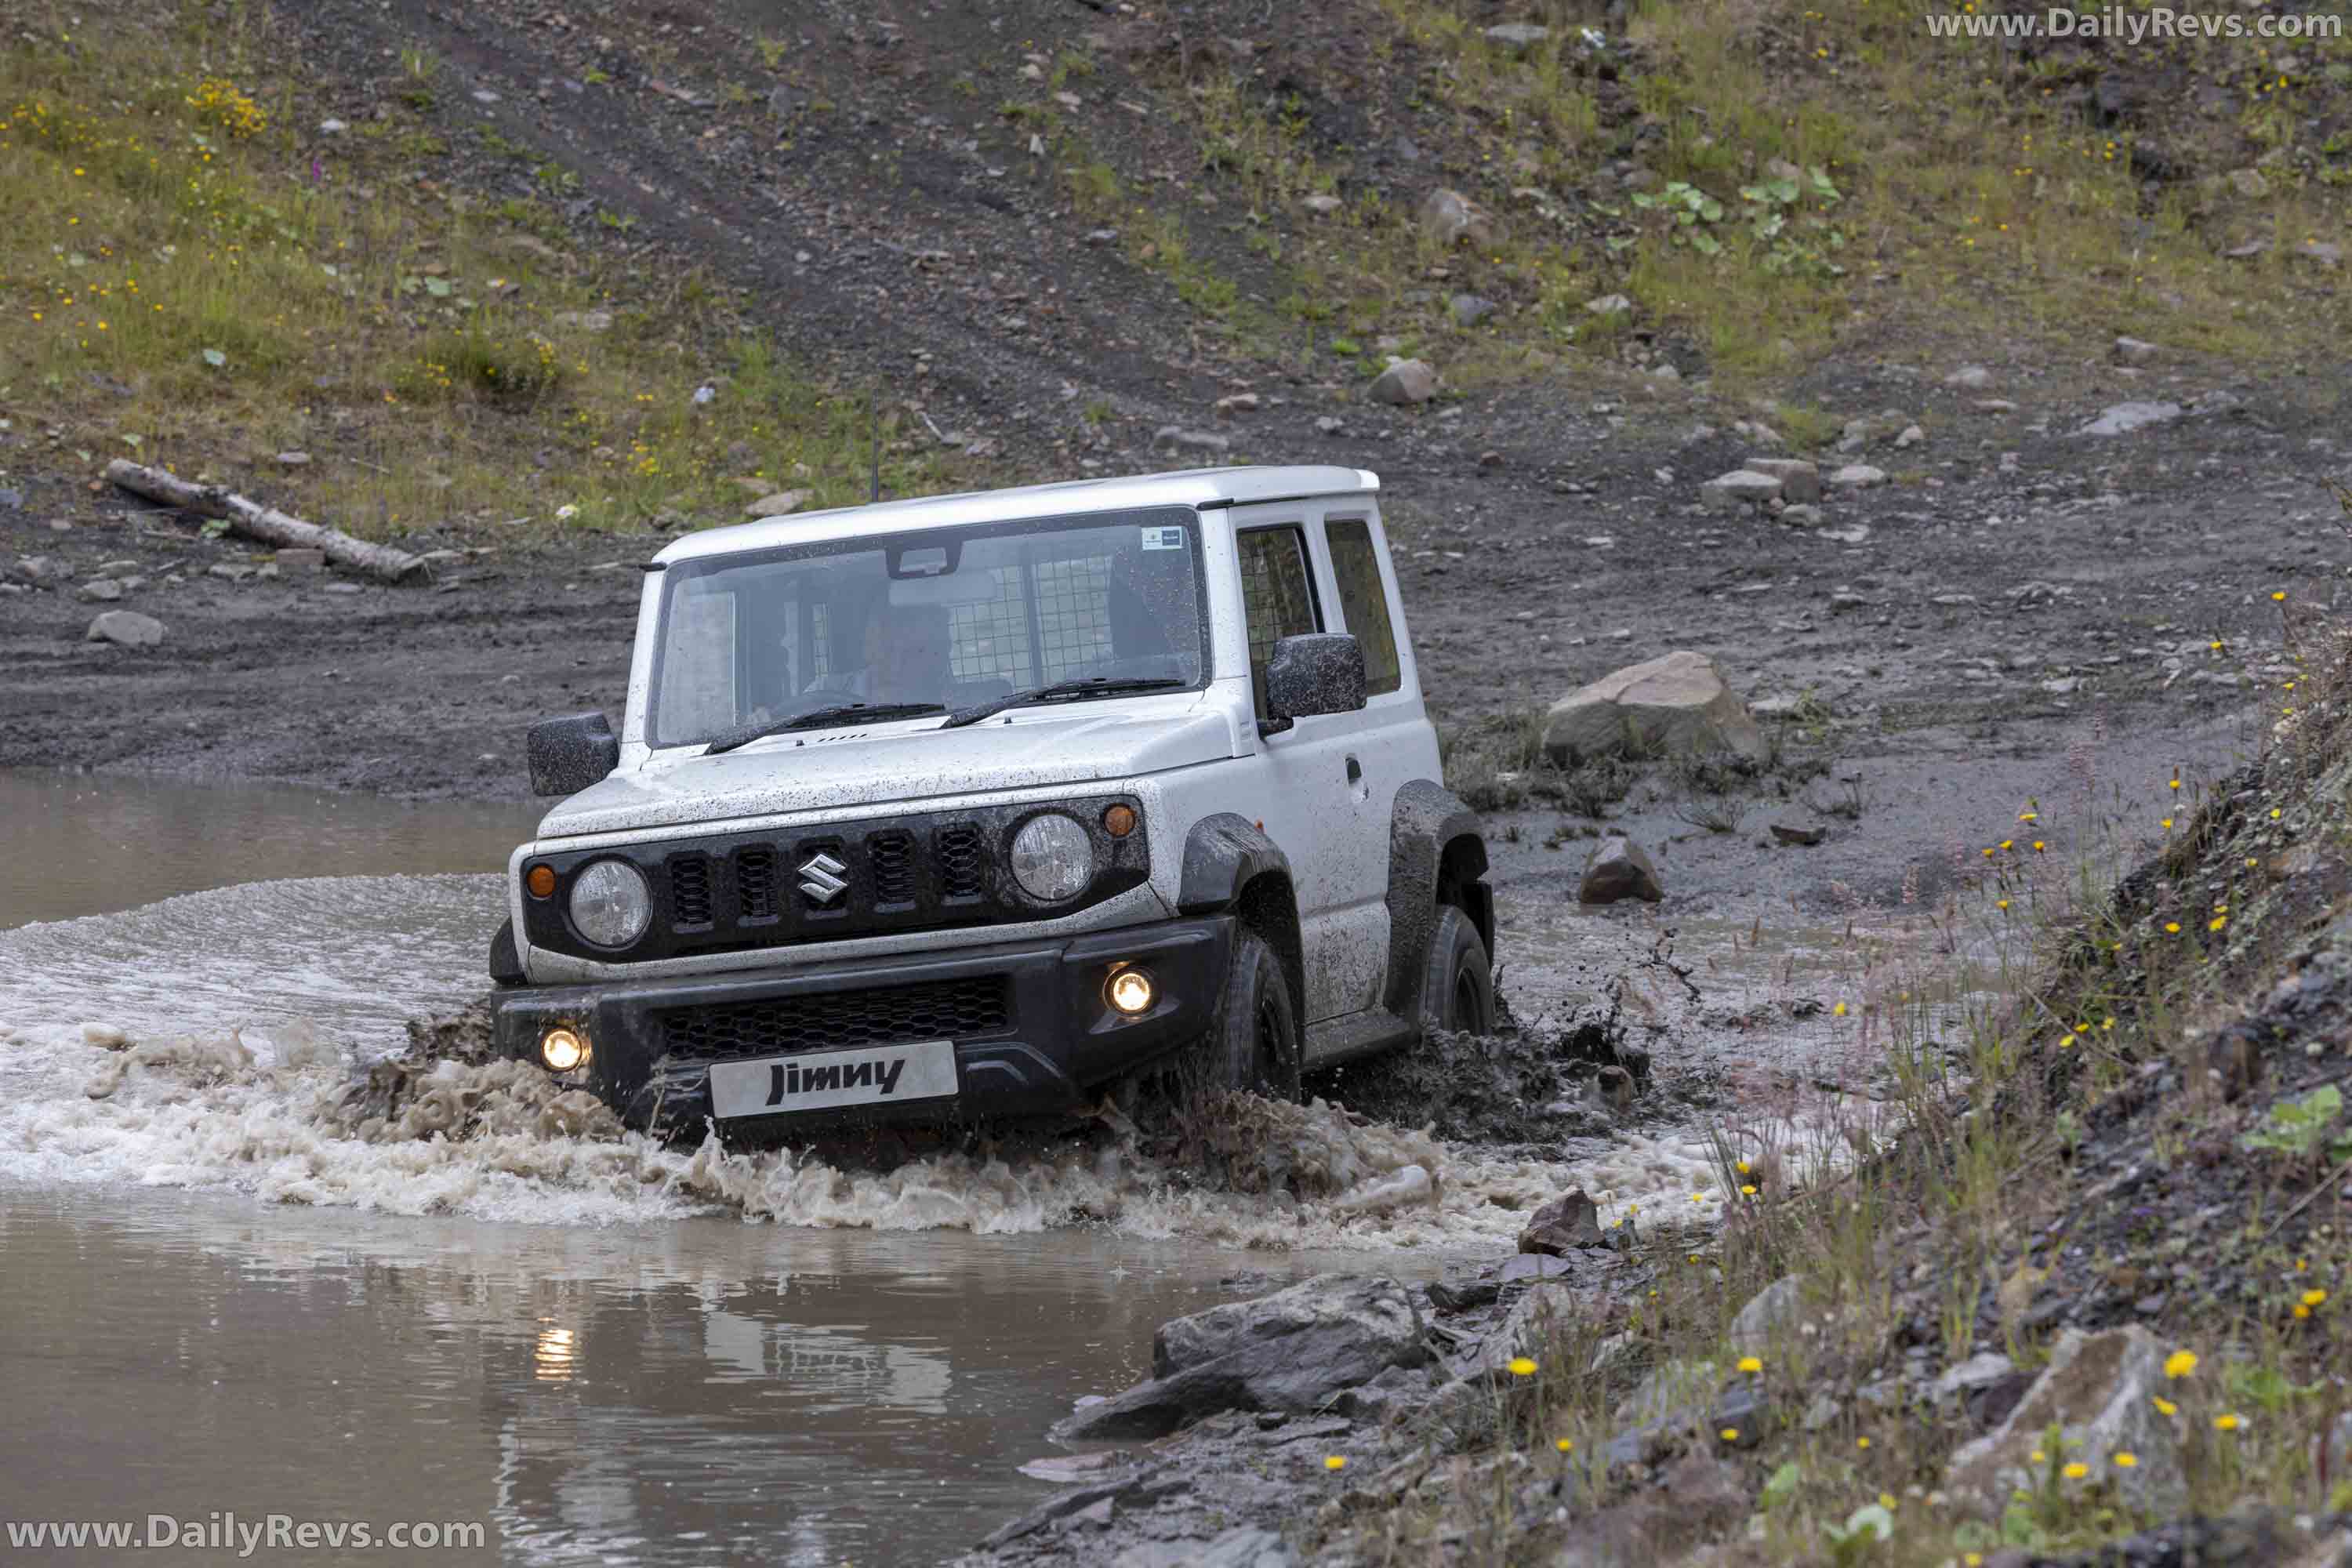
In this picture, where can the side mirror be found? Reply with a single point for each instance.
(1318, 672)
(569, 753)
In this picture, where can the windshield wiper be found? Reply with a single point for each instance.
(817, 718)
(1059, 692)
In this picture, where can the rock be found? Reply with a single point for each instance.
(293, 459)
(586, 320)
(1517, 37)
(2133, 350)
(1177, 438)
(1610, 305)
(1291, 1350)
(1679, 702)
(35, 568)
(1771, 1312)
(1321, 206)
(1804, 515)
(1239, 402)
(2320, 251)
(1102, 236)
(1800, 836)
(1970, 378)
(1616, 1086)
(1911, 437)
(1242, 1546)
(779, 503)
(2101, 1389)
(1330, 424)
(1728, 493)
(1979, 1371)
(1851, 534)
(1407, 381)
(2121, 419)
(1857, 477)
(1524, 1265)
(2250, 183)
(331, 128)
(1800, 480)
(1617, 869)
(126, 627)
(1450, 217)
(1569, 1222)
(1469, 310)
(11, 499)
(100, 590)
(303, 559)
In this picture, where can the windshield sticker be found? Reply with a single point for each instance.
(1170, 538)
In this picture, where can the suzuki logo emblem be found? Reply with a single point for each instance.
(821, 880)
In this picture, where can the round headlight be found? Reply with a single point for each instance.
(609, 905)
(1052, 859)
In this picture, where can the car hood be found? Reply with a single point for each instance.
(901, 764)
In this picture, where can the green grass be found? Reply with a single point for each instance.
(180, 283)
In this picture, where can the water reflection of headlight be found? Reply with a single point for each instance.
(553, 1355)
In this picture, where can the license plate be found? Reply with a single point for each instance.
(882, 1075)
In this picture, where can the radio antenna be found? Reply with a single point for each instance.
(874, 436)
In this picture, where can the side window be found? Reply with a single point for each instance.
(1277, 595)
(1357, 566)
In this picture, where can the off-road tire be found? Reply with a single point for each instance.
(1457, 987)
(1253, 1044)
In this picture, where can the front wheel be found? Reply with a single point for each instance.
(1253, 1043)
(1457, 989)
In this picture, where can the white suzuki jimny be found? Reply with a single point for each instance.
(976, 806)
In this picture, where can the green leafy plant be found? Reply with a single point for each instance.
(1689, 207)
(1864, 1529)
(2302, 1129)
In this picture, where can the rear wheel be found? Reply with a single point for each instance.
(1458, 990)
(1253, 1042)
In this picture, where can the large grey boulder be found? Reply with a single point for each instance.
(126, 627)
(1290, 1352)
(1770, 1314)
(1678, 703)
(1569, 1223)
(1450, 217)
(1407, 381)
(1726, 493)
(2100, 1390)
(1800, 481)
(2123, 418)
(1618, 870)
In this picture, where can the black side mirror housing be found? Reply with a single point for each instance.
(569, 753)
(1316, 672)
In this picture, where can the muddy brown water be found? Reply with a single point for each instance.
(583, 1359)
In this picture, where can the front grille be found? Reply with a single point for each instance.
(690, 890)
(837, 1020)
(755, 883)
(910, 871)
(960, 857)
(892, 856)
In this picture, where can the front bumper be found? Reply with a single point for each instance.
(1032, 1029)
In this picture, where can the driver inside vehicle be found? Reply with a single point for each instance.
(905, 648)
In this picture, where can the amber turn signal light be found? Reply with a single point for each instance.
(540, 880)
(1119, 821)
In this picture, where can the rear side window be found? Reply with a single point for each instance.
(1277, 596)
(1357, 567)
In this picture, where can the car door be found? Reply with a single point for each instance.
(1316, 787)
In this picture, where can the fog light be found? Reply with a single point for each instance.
(563, 1050)
(540, 880)
(1118, 819)
(1131, 991)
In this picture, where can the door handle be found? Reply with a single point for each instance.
(1355, 773)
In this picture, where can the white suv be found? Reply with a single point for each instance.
(977, 806)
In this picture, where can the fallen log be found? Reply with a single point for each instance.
(270, 525)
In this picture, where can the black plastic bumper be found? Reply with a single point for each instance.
(1059, 1036)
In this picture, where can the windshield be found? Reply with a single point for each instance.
(954, 617)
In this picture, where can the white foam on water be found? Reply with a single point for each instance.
(208, 1041)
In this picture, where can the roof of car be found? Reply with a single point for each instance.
(1187, 486)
